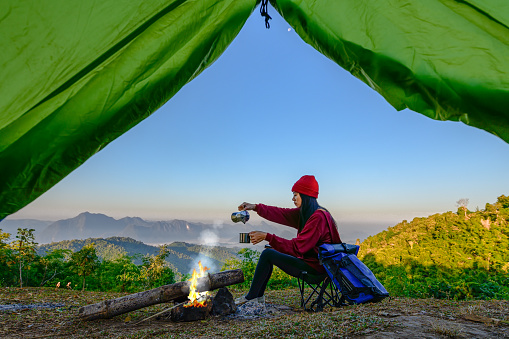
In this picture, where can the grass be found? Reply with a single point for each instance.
(445, 331)
(352, 321)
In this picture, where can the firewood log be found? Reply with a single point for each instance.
(113, 307)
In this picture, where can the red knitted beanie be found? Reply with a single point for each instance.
(306, 185)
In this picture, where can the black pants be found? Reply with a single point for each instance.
(270, 257)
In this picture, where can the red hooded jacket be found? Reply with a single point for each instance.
(319, 229)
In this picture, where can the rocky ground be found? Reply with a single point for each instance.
(51, 313)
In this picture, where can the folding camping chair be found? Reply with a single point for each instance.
(323, 292)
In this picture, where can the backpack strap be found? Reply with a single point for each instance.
(328, 223)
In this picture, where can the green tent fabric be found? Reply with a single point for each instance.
(446, 59)
(77, 74)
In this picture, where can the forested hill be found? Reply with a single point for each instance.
(181, 255)
(460, 255)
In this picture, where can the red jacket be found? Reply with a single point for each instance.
(319, 229)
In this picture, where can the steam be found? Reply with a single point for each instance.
(209, 238)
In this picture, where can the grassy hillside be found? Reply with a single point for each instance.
(458, 255)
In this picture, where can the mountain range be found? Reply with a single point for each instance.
(94, 225)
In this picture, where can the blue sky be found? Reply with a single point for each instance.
(270, 110)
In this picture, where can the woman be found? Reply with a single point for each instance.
(315, 226)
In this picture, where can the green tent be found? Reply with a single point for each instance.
(75, 75)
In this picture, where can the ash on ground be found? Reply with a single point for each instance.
(252, 310)
(19, 307)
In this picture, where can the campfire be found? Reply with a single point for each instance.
(222, 303)
(202, 304)
(197, 299)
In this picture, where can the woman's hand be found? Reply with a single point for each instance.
(246, 206)
(257, 236)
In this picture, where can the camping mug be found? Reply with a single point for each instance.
(240, 216)
(245, 238)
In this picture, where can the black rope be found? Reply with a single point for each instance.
(264, 12)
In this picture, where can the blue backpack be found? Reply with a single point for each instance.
(354, 280)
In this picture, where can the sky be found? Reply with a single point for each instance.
(268, 111)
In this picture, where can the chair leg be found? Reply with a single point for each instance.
(302, 284)
(300, 281)
(329, 295)
(319, 290)
(320, 302)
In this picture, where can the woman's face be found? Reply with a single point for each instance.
(297, 200)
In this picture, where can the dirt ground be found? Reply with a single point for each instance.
(57, 317)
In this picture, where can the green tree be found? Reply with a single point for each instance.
(503, 201)
(129, 274)
(4, 237)
(120, 275)
(462, 205)
(155, 269)
(85, 261)
(52, 265)
(247, 263)
(6, 259)
(4, 246)
(24, 250)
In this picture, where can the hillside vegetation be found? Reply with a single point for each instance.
(112, 264)
(180, 258)
(459, 255)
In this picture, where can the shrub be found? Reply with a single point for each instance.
(247, 263)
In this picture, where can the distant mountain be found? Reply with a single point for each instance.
(11, 226)
(93, 225)
(85, 225)
(90, 225)
(183, 256)
(162, 231)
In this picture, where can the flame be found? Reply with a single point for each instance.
(193, 295)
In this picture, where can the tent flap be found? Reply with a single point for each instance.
(81, 73)
(446, 59)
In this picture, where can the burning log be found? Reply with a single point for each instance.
(166, 293)
(191, 313)
(222, 304)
